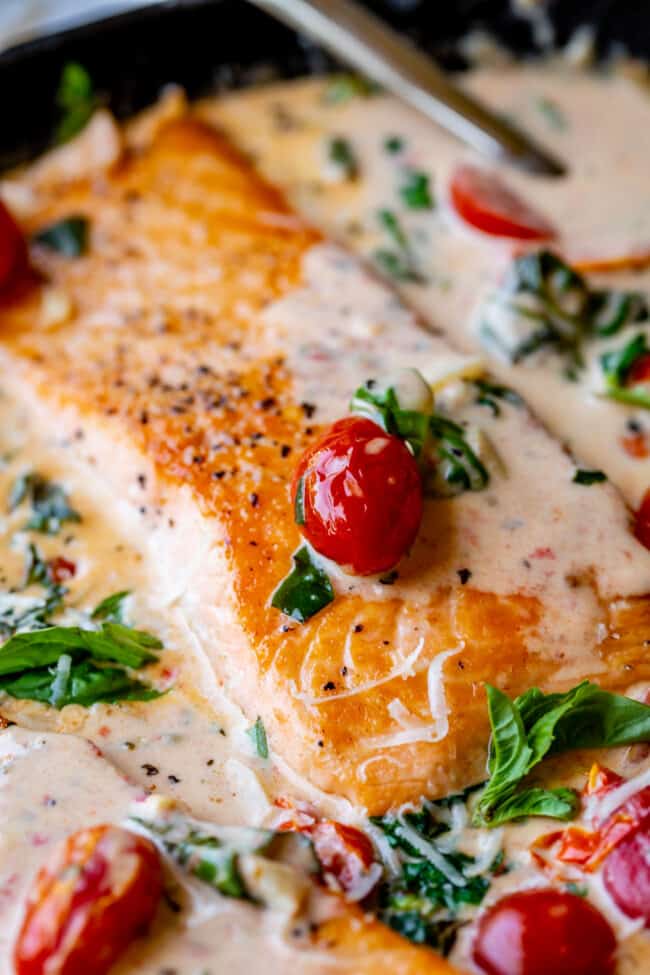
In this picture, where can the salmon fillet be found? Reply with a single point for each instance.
(175, 378)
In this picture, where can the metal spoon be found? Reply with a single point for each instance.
(362, 40)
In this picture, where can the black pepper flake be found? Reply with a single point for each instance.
(217, 475)
(144, 418)
(634, 426)
(210, 761)
(142, 481)
(358, 627)
(330, 686)
(285, 450)
(173, 779)
(254, 499)
(344, 671)
(267, 403)
(308, 409)
(389, 578)
(320, 743)
(150, 769)
(464, 575)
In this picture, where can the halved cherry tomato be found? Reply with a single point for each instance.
(100, 890)
(626, 874)
(631, 816)
(343, 852)
(544, 932)
(360, 494)
(642, 521)
(13, 251)
(483, 201)
(601, 780)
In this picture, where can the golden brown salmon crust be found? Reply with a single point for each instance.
(162, 354)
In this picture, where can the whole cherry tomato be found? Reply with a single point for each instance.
(357, 494)
(642, 521)
(544, 932)
(13, 251)
(626, 874)
(99, 891)
(483, 201)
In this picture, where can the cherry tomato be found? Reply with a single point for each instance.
(636, 445)
(343, 852)
(626, 874)
(13, 252)
(544, 932)
(100, 890)
(360, 494)
(642, 521)
(483, 201)
(639, 371)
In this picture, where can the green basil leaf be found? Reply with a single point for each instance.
(553, 803)
(299, 503)
(111, 608)
(257, 734)
(68, 237)
(589, 477)
(341, 154)
(76, 99)
(415, 190)
(401, 263)
(114, 642)
(394, 144)
(344, 87)
(81, 683)
(305, 591)
(49, 503)
(489, 393)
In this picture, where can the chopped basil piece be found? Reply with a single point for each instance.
(257, 734)
(35, 617)
(305, 591)
(76, 99)
(111, 608)
(589, 477)
(616, 366)
(415, 191)
(49, 503)
(526, 730)
(68, 237)
(489, 393)
(399, 263)
(299, 504)
(37, 571)
(341, 154)
(344, 87)
(552, 112)
(394, 144)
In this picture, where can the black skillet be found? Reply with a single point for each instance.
(209, 44)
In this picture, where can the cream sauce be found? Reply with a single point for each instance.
(199, 748)
(600, 208)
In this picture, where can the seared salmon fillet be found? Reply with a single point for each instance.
(209, 335)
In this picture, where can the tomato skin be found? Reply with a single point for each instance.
(639, 371)
(626, 874)
(98, 892)
(343, 852)
(60, 569)
(544, 932)
(642, 521)
(362, 496)
(13, 251)
(483, 201)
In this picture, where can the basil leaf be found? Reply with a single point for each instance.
(114, 642)
(589, 477)
(341, 154)
(68, 237)
(535, 725)
(400, 263)
(305, 591)
(553, 803)
(616, 365)
(344, 87)
(81, 683)
(415, 191)
(394, 144)
(257, 734)
(49, 503)
(299, 503)
(76, 99)
(489, 393)
(111, 608)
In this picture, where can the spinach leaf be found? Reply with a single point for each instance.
(111, 608)
(341, 154)
(305, 591)
(589, 477)
(415, 190)
(526, 730)
(257, 734)
(68, 237)
(76, 99)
